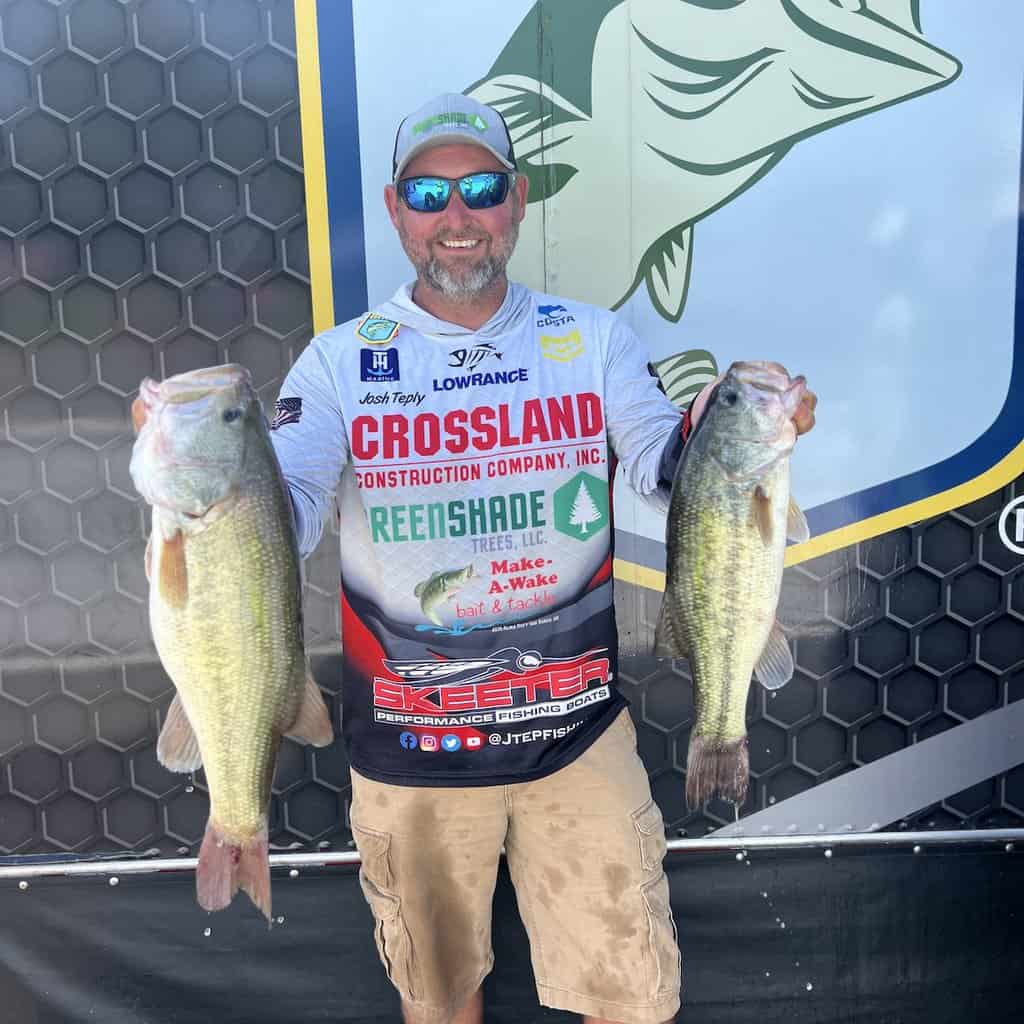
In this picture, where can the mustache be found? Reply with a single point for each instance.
(454, 236)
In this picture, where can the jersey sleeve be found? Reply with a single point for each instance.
(311, 442)
(641, 419)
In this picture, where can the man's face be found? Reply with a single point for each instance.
(459, 252)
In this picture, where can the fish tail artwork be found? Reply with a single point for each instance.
(673, 108)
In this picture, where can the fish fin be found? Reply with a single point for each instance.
(173, 574)
(177, 748)
(721, 769)
(147, 558)
(419, 588)
(796, 524)
(313, 722)
(666, 269)
(685, 374)
(775, 666)
(225, 867)
(762, 506)
(539, 122)
(667, 643)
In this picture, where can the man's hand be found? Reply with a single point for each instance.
(803, 418)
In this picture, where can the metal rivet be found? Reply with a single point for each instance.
(828, 853)
(207, 932)
(917, 849)
(23, 886)
(113, 880)
(294, 873)
(739, 856)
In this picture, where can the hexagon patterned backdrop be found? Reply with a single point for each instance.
(151, 221)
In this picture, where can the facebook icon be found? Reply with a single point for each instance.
(378, 365)
(408, 740)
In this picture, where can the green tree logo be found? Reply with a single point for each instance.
(581, 506)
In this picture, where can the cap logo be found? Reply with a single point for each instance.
(454, 118)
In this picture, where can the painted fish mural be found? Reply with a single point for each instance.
(634, 119)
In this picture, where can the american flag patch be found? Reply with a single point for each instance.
(287, 410)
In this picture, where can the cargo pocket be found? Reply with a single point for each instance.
(650, 830)
(664, 961)
(390, 934)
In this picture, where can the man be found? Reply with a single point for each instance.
(475, 422)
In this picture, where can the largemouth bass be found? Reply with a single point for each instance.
(728, 520)
(225, 611)
(439, 587)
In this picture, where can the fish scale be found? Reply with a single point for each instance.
(236, 632)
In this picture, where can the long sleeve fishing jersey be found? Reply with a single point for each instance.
(478, 629)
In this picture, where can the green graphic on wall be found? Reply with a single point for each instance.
(581, 506)
(634, 119)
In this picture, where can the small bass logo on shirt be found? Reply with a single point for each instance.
(287, 410)
(378, 365)
(561, 348)
(377, 330)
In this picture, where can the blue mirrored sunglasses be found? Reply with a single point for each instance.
(479, 191)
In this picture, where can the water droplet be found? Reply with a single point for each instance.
(828, 853)
(190, 789)
(739, 856)
(1009, 847)
(782, 924)
(207, 932)
(917, 849)
(23, 886)
(809, 986)
(182, 851)
(280, 920)
(767, 974)
(765, 895)
(774, 695)
(113, 880)
(294, 873)
(771, 799)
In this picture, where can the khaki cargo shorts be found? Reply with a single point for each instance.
(584, 848)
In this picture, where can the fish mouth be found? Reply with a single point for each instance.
(872, 35)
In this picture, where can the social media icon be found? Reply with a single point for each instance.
(409, 740)
(451, 743)
(428, 742)
(474, 742)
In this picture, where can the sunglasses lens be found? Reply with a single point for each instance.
(426, 194)
(481, 191)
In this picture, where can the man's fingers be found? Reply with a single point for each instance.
(803, 419)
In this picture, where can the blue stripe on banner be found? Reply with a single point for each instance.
(997, 442)
(341, 155)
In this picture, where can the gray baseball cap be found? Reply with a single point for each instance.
(452, 118)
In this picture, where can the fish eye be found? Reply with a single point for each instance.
(729, 397)
(230, 415)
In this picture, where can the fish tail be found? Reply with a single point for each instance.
(716, 768)
(225, 866)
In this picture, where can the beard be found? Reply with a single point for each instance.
(462, 284)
